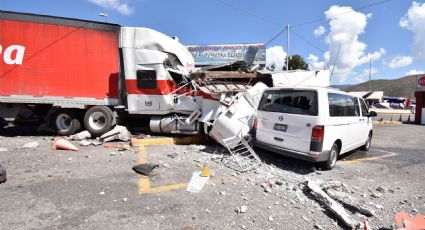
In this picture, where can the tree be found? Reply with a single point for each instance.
(296, 62)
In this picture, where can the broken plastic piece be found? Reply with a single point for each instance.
(197, 182)
(144, 169)
(404, 221)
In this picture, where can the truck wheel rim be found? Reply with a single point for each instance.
(97, 120)
(63, 122)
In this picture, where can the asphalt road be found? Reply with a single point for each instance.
(96, 188)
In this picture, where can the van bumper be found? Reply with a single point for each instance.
(309, 156)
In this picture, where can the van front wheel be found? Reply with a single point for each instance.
(366, 146)
(333, 156)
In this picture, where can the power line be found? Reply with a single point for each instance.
(335, 16)
(249, 13)
(308, 42)
(276, 36)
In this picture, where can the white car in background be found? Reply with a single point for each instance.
(312, 123)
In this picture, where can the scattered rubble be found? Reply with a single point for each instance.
(117, 133)
(332, 205)
(80, 136)
(3, 150)
(242, 209)
(86, 142)
(144, 169)
(31, 145)
(3, 175)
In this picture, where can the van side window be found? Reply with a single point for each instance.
(290, 101)
(146, 79)
(365, 110)
(343, 105)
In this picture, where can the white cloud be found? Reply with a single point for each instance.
(117, 5)
(414, 72)
(319, 31)
(364, 75)
(276, 56)
(398, 61)
(314, 63)
(345, 26)
(414, 21)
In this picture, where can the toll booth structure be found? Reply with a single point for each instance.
(420, 107)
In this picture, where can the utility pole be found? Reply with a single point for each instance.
(287, 47)
(370, 74)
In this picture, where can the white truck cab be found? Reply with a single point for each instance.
(312, 123)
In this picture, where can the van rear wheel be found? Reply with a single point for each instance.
(333, 157)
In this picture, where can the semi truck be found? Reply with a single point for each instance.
(85, 74)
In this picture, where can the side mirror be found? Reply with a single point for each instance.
(372, 114)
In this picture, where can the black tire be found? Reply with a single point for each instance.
(98, 120)
(367, 144)
(66, 122)
(333, 157)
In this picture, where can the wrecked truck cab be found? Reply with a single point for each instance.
(312, 123)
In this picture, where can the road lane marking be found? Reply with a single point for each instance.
(388, 154)
(145, 186)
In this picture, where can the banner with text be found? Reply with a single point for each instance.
(206, 55)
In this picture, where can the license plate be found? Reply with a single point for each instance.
(280, 127)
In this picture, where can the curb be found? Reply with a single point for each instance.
(199, 139)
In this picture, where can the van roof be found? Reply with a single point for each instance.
(329, 89)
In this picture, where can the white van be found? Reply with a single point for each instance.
(312, 123)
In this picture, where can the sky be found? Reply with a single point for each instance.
(384, 37)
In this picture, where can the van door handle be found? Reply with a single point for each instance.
(278, 139)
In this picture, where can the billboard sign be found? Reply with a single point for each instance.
(420, 81)
(207, 55)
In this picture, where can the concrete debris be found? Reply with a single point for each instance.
(94, 142)
(80, 136)
(144, 169)
(3, 150)
(376, 195)
(270, 218)
(112, 154)
(335, 185)
(242, 209)
(3, 175)
(379, 206)
(197, 182)
(119, 147)
(319, 227)
(350, 202)
(382, 189)
(332, 205)
(117, 133)
(172, 155)
(30, 145)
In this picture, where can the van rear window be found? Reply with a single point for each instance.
(290, 101)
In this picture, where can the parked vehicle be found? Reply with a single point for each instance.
(312, 123)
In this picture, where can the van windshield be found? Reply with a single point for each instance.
(290, 101)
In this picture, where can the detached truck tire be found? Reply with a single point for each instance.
(66, 122)
(98, 120)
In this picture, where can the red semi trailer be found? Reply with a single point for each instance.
(77, 72)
